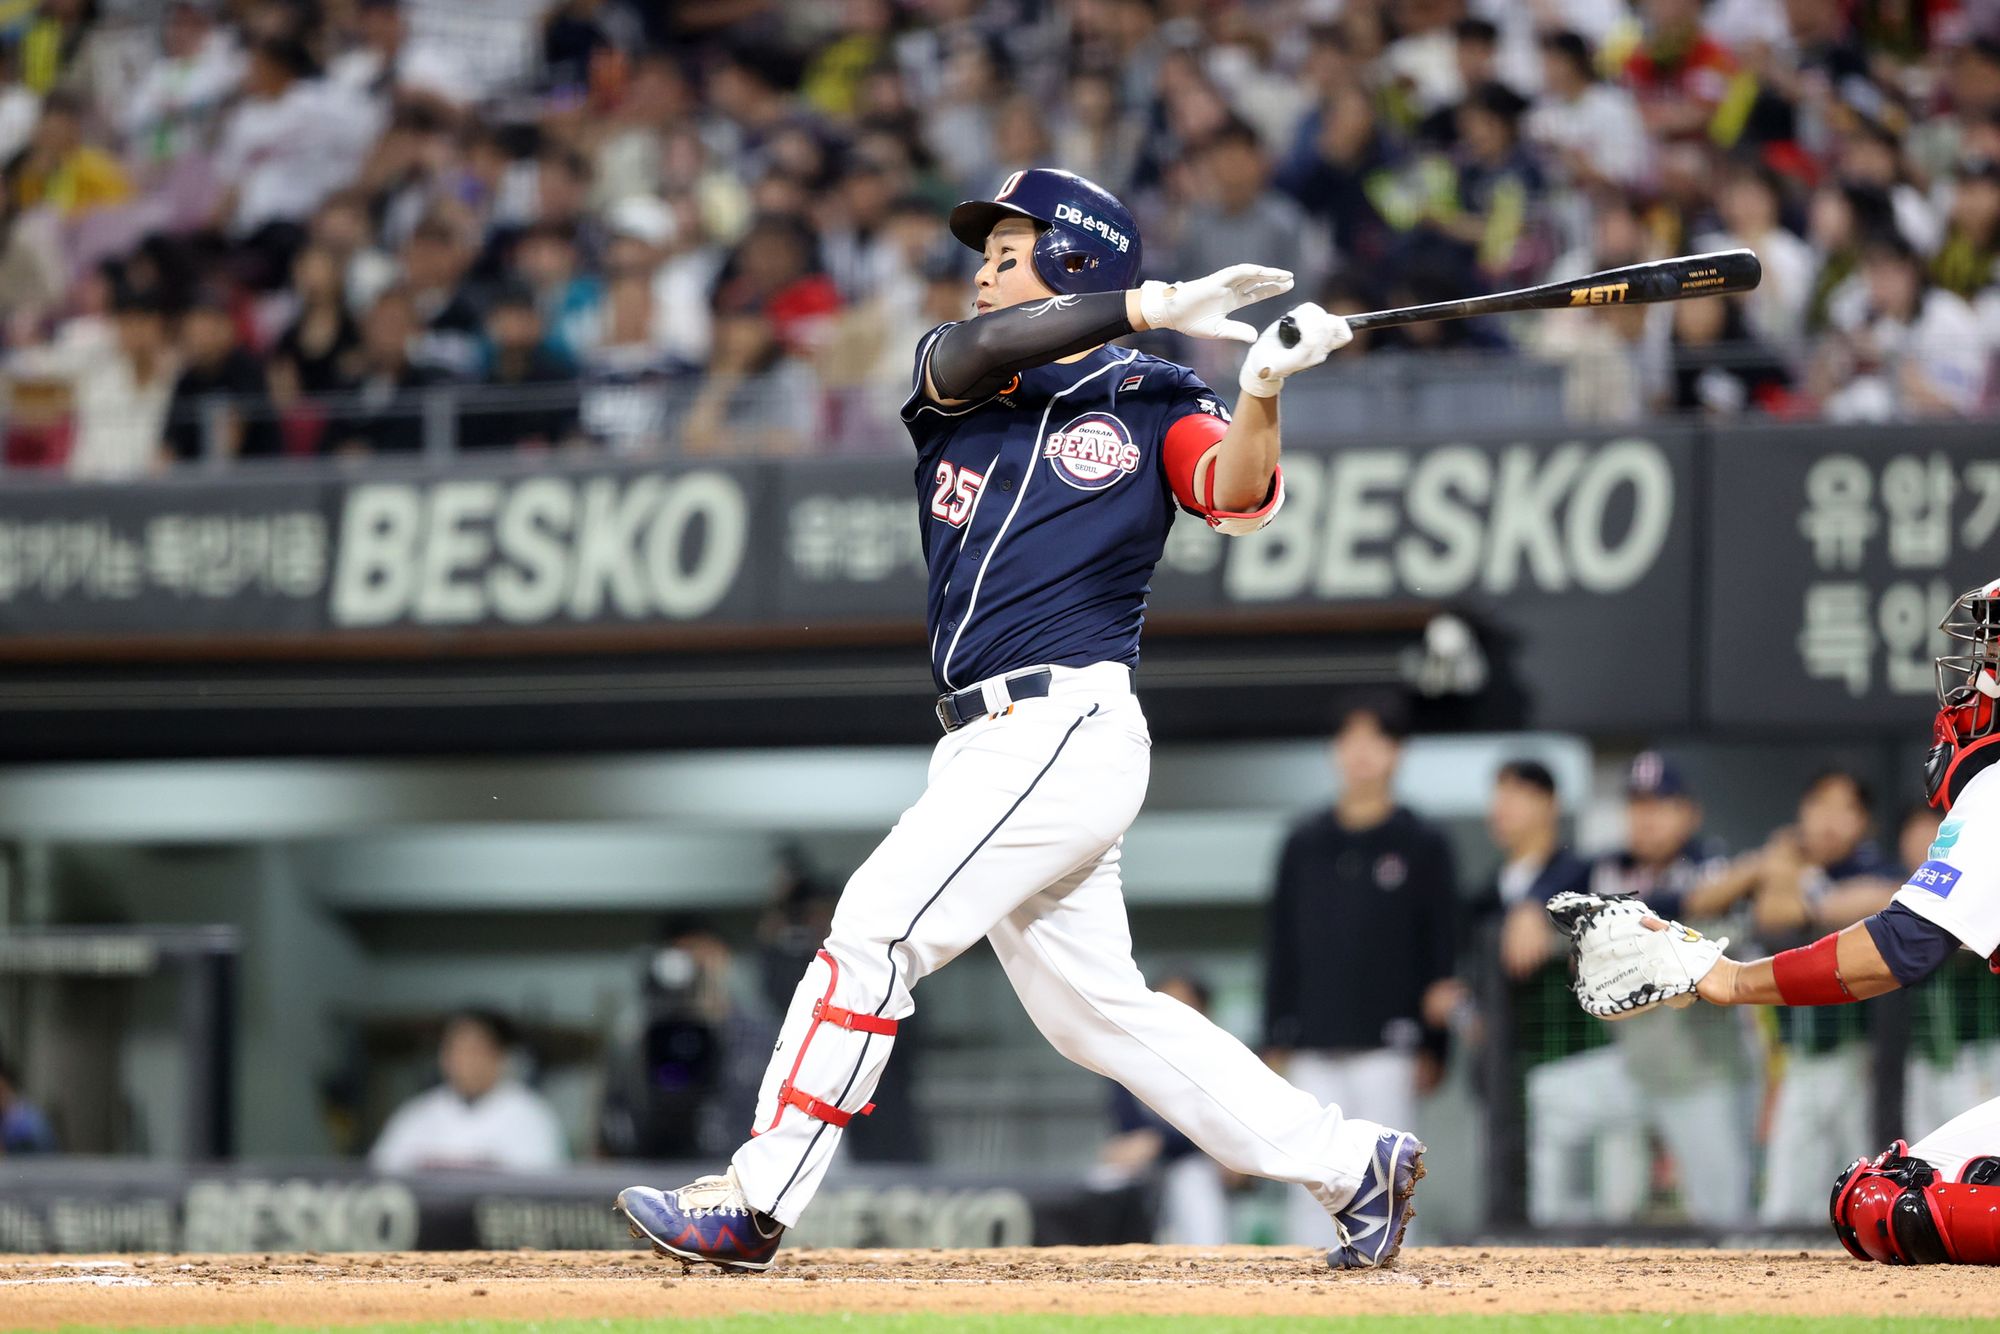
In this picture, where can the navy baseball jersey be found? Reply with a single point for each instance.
(1046, 506)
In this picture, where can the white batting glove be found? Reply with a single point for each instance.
(1200, 307)
(1315, 334)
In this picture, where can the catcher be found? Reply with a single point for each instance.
(1936, 1201)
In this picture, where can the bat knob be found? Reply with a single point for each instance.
(1288, 331)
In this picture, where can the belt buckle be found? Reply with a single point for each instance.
(944, 717)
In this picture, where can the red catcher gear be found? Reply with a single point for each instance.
(1897, 1210)
(1968, 691)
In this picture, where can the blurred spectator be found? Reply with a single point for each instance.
(435, 261)
(626, 373)
(1720, 367)
(1348, 1013)
(1524, 985)
(286, 146)
(1680, 1075)
(1237, 217)
(1590, 130)
(1193, 1188)
(1680, 73)
(59, 169)
(221, 389)
(390, 390)
(320, 351)
(179, 100)
(1817, 875)
(481, 1117)
(539, 411)
(23, 1128)
(1342, 168)
(385, 63)
(1914, 350)
(1095, 137)
(1749, 203)
(20, 107)
(1964, 264)
(121, 370)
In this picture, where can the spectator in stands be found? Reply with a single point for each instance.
(1348, 1014)
(1340, 169)
(59, 169)
(1749, 203)
(1720, 367)
(320, 350)
(1965, 264)
(481, 1117)
(538, 409)
(1680, 1075)
(1679, 72)
(1193, 1188)
(390, 419)
(20, 107)
(285, 147)
(1915, 350)
(1237, 213)
(23, 1128)
(1094, 137)
(219, 398)
(1588, 130)
(384, 64)
(1819, 874)
(121, 371)
(435, 261)
(179, 100)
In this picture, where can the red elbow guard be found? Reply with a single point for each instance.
(1810, 975)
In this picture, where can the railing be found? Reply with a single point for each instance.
(51, 426)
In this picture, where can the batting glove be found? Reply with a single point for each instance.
(1299, 341)
(1200, 307)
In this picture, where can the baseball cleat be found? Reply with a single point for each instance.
(706, 1221)
(1372, 1224)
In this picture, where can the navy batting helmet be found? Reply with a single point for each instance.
(1089, 242)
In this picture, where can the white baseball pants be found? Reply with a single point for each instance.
(1017, 838)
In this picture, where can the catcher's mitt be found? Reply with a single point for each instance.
(1625, 968)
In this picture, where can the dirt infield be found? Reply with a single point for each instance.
(44, 1292)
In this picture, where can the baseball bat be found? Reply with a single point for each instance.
(1678, 279)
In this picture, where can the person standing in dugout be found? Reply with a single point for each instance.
(1050, 464)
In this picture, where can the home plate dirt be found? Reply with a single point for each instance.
(45, 1292)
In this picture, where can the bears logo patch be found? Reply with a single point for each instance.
(1093, 452)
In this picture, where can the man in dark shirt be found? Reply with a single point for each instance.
(1362, 927)
(533, 402)
(23, 1128)
(221, 385)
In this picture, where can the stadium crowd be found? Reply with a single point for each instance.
(279, 227)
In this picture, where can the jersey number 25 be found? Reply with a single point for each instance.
(957, 489)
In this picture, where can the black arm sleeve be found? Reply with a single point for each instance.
(973, 359)
(1914, 947)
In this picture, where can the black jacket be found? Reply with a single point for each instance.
(1361, 923)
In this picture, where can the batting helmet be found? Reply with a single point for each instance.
(1088, 243)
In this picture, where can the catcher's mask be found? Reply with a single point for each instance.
(1968, 691)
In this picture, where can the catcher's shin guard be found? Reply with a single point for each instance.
(1897, 1210)
(829, 1066)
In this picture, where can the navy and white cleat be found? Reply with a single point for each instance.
(706, 1221)
(1372, 1224)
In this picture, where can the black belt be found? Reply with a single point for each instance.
(956, 709)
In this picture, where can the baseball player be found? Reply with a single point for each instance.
(1932, 1202)
(1050, 463)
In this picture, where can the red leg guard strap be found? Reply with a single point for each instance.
(824, 1011)
(833, 1116)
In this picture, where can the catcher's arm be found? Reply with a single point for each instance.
(1893, 948)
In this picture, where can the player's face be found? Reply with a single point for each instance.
(1007, 278)
(1657, 828)
(1832, 821)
